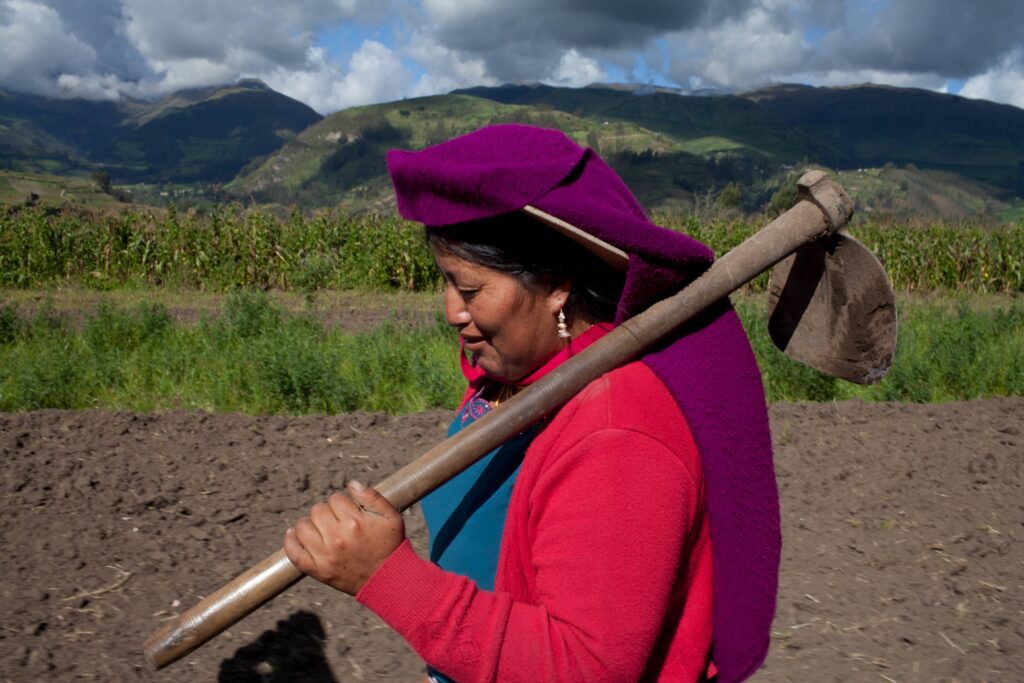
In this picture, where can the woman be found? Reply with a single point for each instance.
(633, 535)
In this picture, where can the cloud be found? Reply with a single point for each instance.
(899, 42)
(1002, 83)
(445, 69)
(760, 46)
(375, 74)
(105, 48)
(949, 37)
(528, 39)
(196, 42)
(575, 71)
(36, 48)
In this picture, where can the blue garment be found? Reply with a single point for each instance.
(466, 515)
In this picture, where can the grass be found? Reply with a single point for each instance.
(948, 349)
(107, 332)
(53, 191)
(256, 356)
(252, 357)
(332, 307)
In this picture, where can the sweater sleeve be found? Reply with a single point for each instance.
(608, 520)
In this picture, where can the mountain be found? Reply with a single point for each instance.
(701, 124)
(207, 135)
(55, 135)
(871, 125)
(341, 158)
(676, 149)
(204, 135)
(905, 151)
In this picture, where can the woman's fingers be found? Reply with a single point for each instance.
(297, 553)
(345, 538)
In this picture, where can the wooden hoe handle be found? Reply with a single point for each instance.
(823, 209)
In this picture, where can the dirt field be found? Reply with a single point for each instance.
(903, 554)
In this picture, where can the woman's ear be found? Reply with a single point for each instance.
(559, 295)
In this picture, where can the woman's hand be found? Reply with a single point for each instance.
(346, 538)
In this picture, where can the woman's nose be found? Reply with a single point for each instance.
(455, 313)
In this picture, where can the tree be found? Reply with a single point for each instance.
(730, 197)
(102, 180)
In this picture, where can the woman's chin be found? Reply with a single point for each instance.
(493, 369)
(493, 372)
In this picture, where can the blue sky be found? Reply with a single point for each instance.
(334, 54)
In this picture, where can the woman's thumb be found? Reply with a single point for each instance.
(370, 499)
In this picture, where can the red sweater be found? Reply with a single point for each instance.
(605, 565)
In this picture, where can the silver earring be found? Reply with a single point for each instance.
(563, 329)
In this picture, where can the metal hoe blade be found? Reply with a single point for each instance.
(833, 308)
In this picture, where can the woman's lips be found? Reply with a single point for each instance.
(473, 343)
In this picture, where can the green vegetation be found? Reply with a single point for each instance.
(946, 351)
(909, 193)
(203, 135)
(899, 151)
(341, 158)
(252, 357)
(957, 158)
(255, 357)
(258, 352)
(56, 191)
(232, 248)
(966, 257)
(227, 249)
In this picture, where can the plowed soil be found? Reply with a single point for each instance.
(903, 559)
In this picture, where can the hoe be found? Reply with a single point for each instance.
(832, 309)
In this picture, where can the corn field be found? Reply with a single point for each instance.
(232, 248)
(227, 249)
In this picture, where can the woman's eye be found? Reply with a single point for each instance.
(467, 293)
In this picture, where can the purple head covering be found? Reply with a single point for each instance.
(708, 367)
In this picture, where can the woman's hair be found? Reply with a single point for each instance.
(538, 257)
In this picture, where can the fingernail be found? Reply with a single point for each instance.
(356, 486)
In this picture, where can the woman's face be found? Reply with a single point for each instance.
(509, 330)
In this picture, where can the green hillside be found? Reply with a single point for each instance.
(55, 136)
(908, 192)
(341, 159)
(209, 137)
(870, 125)
(204, 135)
(907, 151)
(901, 151)
(36, 189)
(702, 125)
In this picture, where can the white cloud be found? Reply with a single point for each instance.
(575, 71)
(893, 78)
(189, 43)
(445, 69)
(375, 74)
(1003, 83)
(93, 86)
(103, 48)
(445, 11)
(36, 48)
(768, 43)
(760, 46)
(527, 40)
